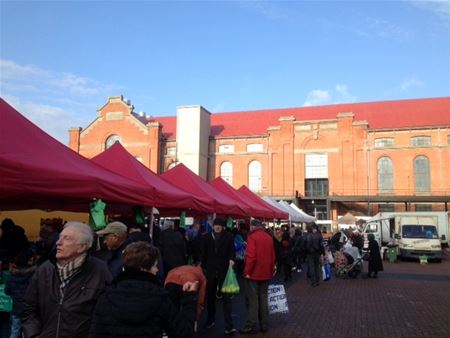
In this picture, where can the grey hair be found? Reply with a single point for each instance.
(85, 233)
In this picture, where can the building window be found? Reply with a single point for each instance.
(423, 207)
(421, 141)
(421, 174)
(316, 166)
(254, 176)
(255, 148)
(316, 187)
(171, 151)
(387, 142)
(226, 148)
(226, 172)
(385, 175)
(111, 140)
(386, 207)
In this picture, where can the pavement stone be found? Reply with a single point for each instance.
(408, 300)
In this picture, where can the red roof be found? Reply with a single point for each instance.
(400, 114)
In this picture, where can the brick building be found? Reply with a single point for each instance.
(359, 157)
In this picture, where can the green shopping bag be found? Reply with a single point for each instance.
(230, 284)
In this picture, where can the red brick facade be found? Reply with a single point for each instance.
(352, 138)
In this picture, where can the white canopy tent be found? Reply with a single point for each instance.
(307, 218)
(295, 215)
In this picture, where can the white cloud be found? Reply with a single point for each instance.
(410, 82)
(54, 120)
(55, 101)
(319, 97)
(439, 8)
(267, 9)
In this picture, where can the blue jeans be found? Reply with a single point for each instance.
(16, 327)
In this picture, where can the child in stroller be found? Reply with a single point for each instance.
(348, 262)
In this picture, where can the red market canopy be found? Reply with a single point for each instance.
(185, 179)
(166, 195)
(38, 172)
(252, 208)
(276, 213)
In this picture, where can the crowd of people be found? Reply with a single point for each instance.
(120, 281)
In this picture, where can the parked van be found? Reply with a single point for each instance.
(415, 233)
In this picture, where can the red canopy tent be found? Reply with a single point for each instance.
(276, 213)
(185, 179)
(167, 198)
(253, 209)
(38, 172)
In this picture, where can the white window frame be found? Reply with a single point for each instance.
(255, 148)
(226, 172)
(226, 148)
(255, 176)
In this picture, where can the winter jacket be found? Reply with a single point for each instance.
(16, 286)
(189, 273)
(138, 306)
(173, 249)
(216, 252)
(260, 256)
(48, 314)
(375, 261)
(313, 243)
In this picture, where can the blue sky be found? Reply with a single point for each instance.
(60, 60)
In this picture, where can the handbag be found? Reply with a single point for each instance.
(277, 299)
(230, 284)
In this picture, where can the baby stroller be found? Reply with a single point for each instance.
(348, 263)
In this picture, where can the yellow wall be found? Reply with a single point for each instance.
(30, 220)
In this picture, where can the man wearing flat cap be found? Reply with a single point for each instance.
(217, 254)
(115, 237)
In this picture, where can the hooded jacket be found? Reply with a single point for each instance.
(138, 306)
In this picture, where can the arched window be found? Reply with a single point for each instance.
(254, 176)
(226, 172)
(421, 174)
(385, 175)
(111, 140)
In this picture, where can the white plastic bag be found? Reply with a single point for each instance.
(330, 257)
(277, 299)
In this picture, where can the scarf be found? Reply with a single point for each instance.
(68, 271)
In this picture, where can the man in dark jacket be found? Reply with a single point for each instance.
(173, 247)
(314, 249)
(217, 254)
(115, 237)
(258, 271)
(62, 293)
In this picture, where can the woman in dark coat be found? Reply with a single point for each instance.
(375, 261)
(138, 306)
